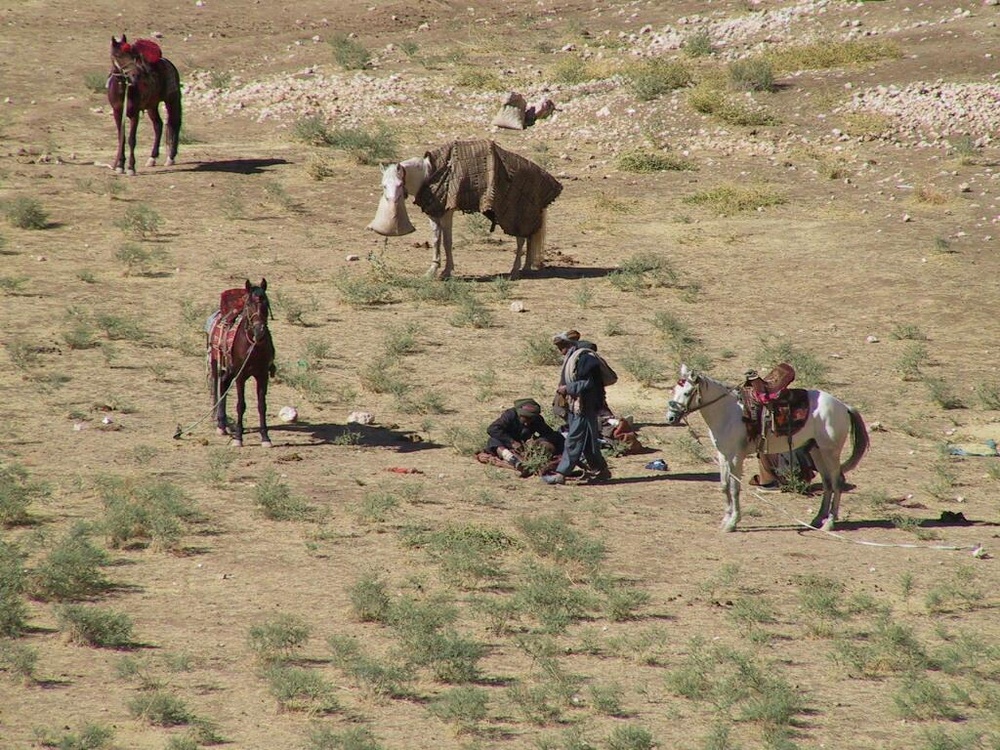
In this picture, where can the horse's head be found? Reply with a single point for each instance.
(125, 61)
(258, 309)
(686, 395)
(391, 219)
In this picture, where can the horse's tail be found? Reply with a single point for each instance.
(859, 435)
(536, 246)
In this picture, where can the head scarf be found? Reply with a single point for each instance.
(527, 407)
(566, 338)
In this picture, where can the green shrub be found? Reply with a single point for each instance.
(275, 500)
(553, 537)
(656, 77)
(464, 707)
(13, 583)
(540, 352)
(370, 599)
(751, 74)
(138, 259)
(809, 370)
(363, 291)
(24, 212)
(630, 737)
(18, 660)
(274, 639)
(989, 395)
(728, 200)
(160, 708)
(645, 162)
(548, 595)
(353, 738)
(71, 571)
(349, 53)
(17, 492)
(298, 689)
(137, 513)
(832, 54)
(379, 677)
(698, 44)
(95, 626)
(472, 314)
(91, 737)
(96, 81)
(368, 148)
(139, 221)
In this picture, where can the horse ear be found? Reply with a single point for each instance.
(249, 286)
(263, 285)
(684, 371)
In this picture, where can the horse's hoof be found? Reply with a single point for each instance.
(119, 170)
(221, 431)
(168, 163)
(728, 526)
(265, 444)
(237, 443)
(151, 162)
(827, 525)
(131, 173)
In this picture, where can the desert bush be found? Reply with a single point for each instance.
(13, 584)
(71, 570)
(25, 212)
(367, 147)
(472, 314)
(349, 53)
(751, 74)
(547, 595)
(943, 393)
(120, 328)
(96, 81)
(989, 395)
(539, 351)
(370, 599)
(90, 737)
(830, 53)
(17, 660)
(137, 513)
(140, 221)
(274, 639)
(572, 70)
(621, 599)
(302, 376)
(907, 332)
(380, 677)
(553, 537)
(138, 259)
(479, 79)
(646, 162)
(677, 334)
(467, 555)
(13, 284)
(17, 491)
(914, 356)
(920, 698)
(889, 648)
(160, 708)
(363, 291)
(698, 44)
(643, 271)
(630, 737)
(95, 626)
(299, 689)
(274, 498)
(463, 440)
(312, 130)
(729, 200)
(655, 77)
(463, 706)
(352, 738)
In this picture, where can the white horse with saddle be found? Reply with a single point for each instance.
(828, 424)
(469, 176)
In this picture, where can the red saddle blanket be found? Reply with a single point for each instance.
(147, 49)
(788, 413)
(226, 326)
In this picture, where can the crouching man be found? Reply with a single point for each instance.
(520, 431)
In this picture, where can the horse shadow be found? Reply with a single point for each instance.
(235, 166)
(368, 436)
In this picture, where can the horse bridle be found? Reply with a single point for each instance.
(253, 315)
(684, 411)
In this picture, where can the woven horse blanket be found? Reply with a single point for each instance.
(480, 176)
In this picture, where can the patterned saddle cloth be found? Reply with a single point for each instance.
(788, 413)
(224, 326)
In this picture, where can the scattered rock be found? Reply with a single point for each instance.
(288, 414)
(517, 306)
(361, 417)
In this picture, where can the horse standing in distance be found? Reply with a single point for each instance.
(240, 347)
(140, 79)
(473, 177)
(826, 429)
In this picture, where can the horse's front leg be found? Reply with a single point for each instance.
(157, 121)
(261, 380)
(241, 409)
(133, 128)
(436, 236)
(119, 165)
(730, 475)
(515, 272)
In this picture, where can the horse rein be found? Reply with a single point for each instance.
(684, 411)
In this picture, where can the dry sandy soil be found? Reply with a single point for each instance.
(880, 266)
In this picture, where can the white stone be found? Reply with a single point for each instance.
(517, 306)
(288, 414)
(361, 417)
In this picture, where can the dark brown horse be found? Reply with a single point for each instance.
(139, 80)
(240, 347)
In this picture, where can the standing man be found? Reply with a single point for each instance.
(582, 384)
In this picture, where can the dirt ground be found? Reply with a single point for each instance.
(883, 255)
